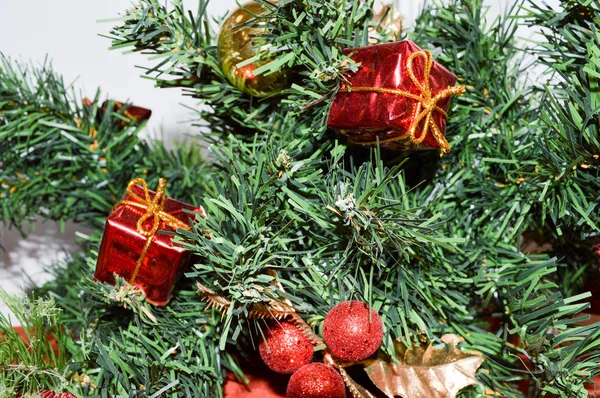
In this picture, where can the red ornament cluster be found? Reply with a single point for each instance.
(285, 348)
(353, 331)
(316, 380)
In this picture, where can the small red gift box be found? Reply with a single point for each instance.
(134, 113)
(399, 96)
(132, 248)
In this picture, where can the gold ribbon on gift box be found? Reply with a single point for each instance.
(154, 209)
(426, 103)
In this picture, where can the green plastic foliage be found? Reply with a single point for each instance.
(66, 161)
(38, 358)
(432, 244)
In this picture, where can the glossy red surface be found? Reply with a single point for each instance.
(122, 245)
(364, 116)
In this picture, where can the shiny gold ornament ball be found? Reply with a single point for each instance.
(238, 45)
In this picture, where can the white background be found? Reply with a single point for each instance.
(67, 32)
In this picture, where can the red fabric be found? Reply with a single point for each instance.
(262, 385)
(364, 116)
(122, 245)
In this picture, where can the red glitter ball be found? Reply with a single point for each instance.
(352, 331)
(285, 348)
(316, 380)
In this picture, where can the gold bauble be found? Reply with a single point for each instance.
(238, 45)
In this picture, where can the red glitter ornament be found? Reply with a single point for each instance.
(352, 331)
(316, 380)
(285, 348)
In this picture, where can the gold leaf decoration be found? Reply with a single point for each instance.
(428, 372)
(355, 389)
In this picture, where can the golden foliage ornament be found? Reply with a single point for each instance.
(426, 372)
(238, 43)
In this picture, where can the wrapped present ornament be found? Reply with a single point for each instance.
(132, 247)
(133, 113)
(399, 97)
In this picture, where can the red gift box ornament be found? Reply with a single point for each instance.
(399, 97)
(134, 113)
(131, 247)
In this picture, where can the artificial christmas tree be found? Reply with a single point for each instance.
(299, 221)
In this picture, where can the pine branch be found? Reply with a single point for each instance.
(55, 157)
(496, 185)
(64, 160)
(126, 347)
(283, 222)
(186, 43)
(38, 358)
(570, 143)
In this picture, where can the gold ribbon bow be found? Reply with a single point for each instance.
(426, 103)
(154, 209)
